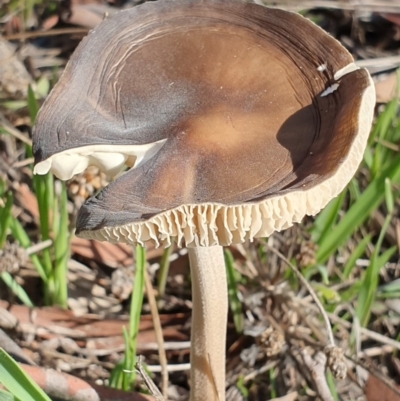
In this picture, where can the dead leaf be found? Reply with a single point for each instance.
(26, 199)
(51, 322)
(113, 255)
(377, 390)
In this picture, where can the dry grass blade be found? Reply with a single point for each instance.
(39, 247)
(158, 332)
(40, 34)
(13, 131)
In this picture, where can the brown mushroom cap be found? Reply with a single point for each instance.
(247, 119)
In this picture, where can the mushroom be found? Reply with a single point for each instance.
(236, 120)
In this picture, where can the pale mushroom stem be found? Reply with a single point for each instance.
(209, 321)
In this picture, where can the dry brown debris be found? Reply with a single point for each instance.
(12, 257)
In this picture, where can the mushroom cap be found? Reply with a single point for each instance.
(238, 120)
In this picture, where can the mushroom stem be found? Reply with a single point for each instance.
(209, 320)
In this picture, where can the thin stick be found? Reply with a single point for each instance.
(52, 32)
(178, 367)
(23, 163)
(159, 334)
(331, 340)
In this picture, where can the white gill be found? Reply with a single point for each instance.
(108, 158)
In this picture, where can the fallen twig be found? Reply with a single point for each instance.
(317, 369)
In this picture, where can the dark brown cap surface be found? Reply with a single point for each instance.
(250, 118)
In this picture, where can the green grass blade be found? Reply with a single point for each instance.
(43, 206)
(356, 254)
(384, 121)
(354, 190)
(391, 287)
(389, 196)
(332, 386)
(61, 249)
(359, 211)
(327, 218)
(16, 289)
(368, 157)
(6, 396)
(382, 131)
(33, 106)
(272, 380)
(234, 302)
(42, 87)
(241, 386)
(371, 278)
(137, 291)
(115, 380)
(368, 289)
(135, 311)
(385, 256)
(120, 375)
(5, 218)
(17, 382)
(128, 371)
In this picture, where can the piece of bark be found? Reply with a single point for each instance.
(50, 322)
